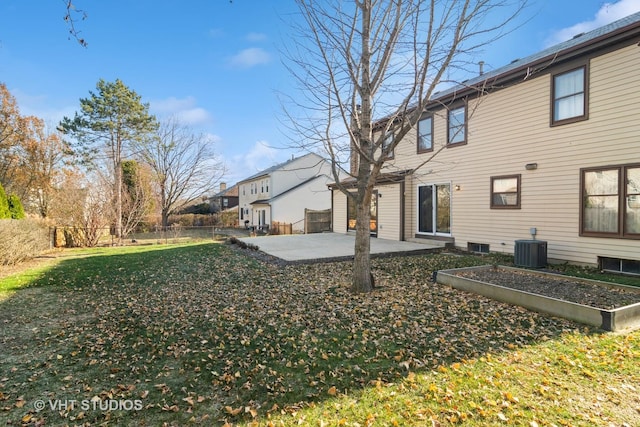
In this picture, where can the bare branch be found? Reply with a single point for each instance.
(369, 70)
(71, 17)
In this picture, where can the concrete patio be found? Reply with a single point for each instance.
(323, 246)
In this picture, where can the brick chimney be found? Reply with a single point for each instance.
(223, 186)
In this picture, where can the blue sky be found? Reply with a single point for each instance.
(215, 64)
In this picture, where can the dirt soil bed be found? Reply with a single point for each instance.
(560, 287)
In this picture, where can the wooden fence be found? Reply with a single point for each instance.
(280, 228)
(317, 221)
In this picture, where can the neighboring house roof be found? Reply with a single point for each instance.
(229, 192)
(273, 168)
(260, 202)
(267, 201)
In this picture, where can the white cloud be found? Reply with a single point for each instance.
(184, 109)
(215, 33)
(256, 37)
(251, 57)
(194, 116)
(608, 13)
(39, 106)
(213, 138)
(172, 104)
(260, 156)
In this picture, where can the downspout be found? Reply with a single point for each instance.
(332, 210)
(402, 210)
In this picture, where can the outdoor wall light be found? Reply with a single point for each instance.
(531, 166)
(457, 187)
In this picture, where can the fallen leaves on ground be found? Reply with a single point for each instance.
(204, 334)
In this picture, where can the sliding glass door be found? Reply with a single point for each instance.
(434, 209)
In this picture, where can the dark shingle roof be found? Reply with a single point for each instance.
(576, 42)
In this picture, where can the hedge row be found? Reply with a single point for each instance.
(21, 240)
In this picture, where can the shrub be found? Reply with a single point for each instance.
(4, 204)
(235, 241)
(15, 207)
(22, 240)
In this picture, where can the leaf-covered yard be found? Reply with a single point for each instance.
(204, 334)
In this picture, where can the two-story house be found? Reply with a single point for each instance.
(550, 150)
(225, 198)
(282, 192)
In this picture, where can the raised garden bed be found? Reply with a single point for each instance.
(605, 305)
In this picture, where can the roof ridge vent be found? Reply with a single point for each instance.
(578, 35)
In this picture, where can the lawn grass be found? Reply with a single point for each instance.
(203, 334)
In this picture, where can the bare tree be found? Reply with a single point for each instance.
(137, 195)
(83, 207)
(183, 164)
(356, 61)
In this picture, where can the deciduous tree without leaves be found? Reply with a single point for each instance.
(358, 61)
(183, 164)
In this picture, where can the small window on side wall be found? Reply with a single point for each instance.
(386, 142)
(425, 134)
(457, 125)
(505, 192)
(569, 96)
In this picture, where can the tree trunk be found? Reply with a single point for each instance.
(164, 209)
(118, 191)
(362, 258)
(165, 219)
(362, 280)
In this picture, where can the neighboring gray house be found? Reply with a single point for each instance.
(282, 192)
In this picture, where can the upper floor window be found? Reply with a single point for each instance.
(425, 134)
(457, 125)
(569, 96)
(505, 192)
(611, 201)
(388, 140)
